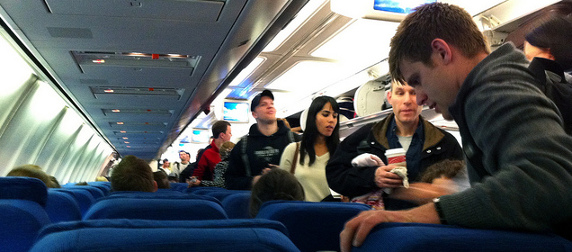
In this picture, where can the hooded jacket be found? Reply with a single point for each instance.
(253, 153)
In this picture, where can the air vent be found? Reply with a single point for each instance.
(172, 93)
(108, 112)
(138, 132)
(135, 59)
(188, 10)
(130, 124)
(139, 139)
(140, 142)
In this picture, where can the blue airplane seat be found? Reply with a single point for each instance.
(83, 198)
(24, 188)
(181, 187)
(105, 189)
(222, 194)
(313, 226)
(62, 206)
(163, 194)
(21, 222)
(155, 209)
(431, 237)
(22, 213)
(95, 192)
(201, 190)
(236, 205)
(150, 235)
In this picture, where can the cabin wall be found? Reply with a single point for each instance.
(38, 127)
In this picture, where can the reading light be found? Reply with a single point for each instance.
(125, 138)
(122, 131)
(119, 123)
(98, 61)
(108, 91)
(115, 110)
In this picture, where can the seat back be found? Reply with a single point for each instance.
(236, 205)
(94, 191)
(181, 187)
(62, 206)
(105, 189)
(146, 235)
(430, 237)
(24, 188)
(201, 190)
(313, 226)
(21, 220)
(83, 198)
(160, 195)
(221, 194)
(155, 209)
(22, 213)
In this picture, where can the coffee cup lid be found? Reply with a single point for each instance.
(396, 151)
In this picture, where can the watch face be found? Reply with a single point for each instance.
(435, 200)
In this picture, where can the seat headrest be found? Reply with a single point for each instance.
(24, 188)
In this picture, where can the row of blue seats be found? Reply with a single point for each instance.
(308, 227)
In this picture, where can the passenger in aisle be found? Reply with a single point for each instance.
(219, 170)
(179, 167)
(133, 174)
(518, 155)
(165, 167)
(405, 128)
(307, 159)
(260, 150)
(222, 133)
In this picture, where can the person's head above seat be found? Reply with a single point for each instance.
(32, 171)
(133, 174)
(551, 39)
(434, 57)
(277, 184)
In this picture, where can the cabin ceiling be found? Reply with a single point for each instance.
(141, 70)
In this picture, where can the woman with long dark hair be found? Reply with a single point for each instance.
(307, 160)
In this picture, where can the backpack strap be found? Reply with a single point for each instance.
(244, 142)
(291, 136)
(295, 159)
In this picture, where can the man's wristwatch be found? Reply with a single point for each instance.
(437, 203)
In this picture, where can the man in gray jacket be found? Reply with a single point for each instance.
(518, 155)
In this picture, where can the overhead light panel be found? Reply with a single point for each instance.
(165, 112)
(135, 59)
(173, 93)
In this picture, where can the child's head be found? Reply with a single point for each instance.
(447, 168)
(277, 184)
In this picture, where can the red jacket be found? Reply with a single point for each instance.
(205, 168)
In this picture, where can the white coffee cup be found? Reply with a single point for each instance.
(396, 157)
